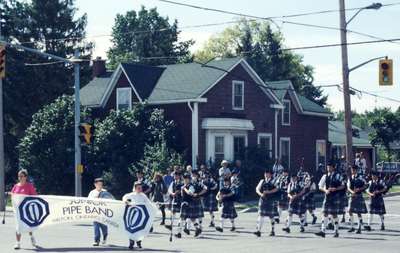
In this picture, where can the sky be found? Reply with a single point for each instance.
(381, 23)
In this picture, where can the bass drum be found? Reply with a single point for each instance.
(106, 195)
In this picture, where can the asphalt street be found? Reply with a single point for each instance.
(79, 237)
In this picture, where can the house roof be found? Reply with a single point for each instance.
(92, 93)
(280, 88)
(337, 135)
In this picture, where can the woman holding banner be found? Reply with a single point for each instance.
(26, 188)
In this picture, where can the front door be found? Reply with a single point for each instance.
(228, 145)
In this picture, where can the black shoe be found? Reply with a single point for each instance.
(257, 233)
(272, 233)
(219, 229)
(169, 227)
(277, 220)
(320, 233)
(287, 230)
(301, 229)
(151, 230)
(233, 229)
(351, 230)
(162, 223)
(212, 225)
(186, 231)
(131, 244)
(330, 226)
(343, 220)
(314, 220)
(305, 224)
(358, 231)
(367, 228)
(382, 227)
(95, 244)
(336, 235)
(198, 232)
(178, 235)
(139, 244)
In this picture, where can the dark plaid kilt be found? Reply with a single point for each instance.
(193, 210)
(309, 203)
(357, 204)
(345, 201)
(210, 203)
(377, 205)
(297, 207)
(175, 205)
(228, 210)
(283, 201)
(333, 205)
(268, 208)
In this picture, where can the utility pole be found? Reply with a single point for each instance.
(78, 176)
(346, 85)
(2, 168)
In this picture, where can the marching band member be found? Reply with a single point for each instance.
(310, 188)
(376, 188)
(296, 204)
(158, 191)
(199, 190)
(267, 205)
(356, 185)
(331, 184)
(174, 192)
(26, 188)
(146, 187)
(226, 196)
(282, 183)
(209, 198)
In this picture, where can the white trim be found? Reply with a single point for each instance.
(319, 114)
(283, 112)
(229, 136)
(354, 145)
(195, 133)
(267, 135)
(114, 79)
(280, 149)
(133, 87)
(177, 101)
(316, 152)
(117, 97)
(234, 83)
(276, 133)
(276, 106)
(227, 124)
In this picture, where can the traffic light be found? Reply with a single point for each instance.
(2, 62)
(80, 168)
(386, 72)
(86, 135)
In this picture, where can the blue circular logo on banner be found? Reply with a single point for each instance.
(33, 211)
(135, 218)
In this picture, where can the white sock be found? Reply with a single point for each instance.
(222, 222)
(272, 225)
(188, 223)
(260, 222)
(279, 211)
(351, 220)
(324, 223)
(305, 217)
(336, 224)
(289, 221)
(212, 217)
(180, 223)
(233, 223)
(369, 219)
(360, 221)
(302, 220)
(382, 219)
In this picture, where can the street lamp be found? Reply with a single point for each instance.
(345, 74)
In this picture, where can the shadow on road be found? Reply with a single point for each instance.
(98, 249)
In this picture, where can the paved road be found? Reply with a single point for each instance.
(78, 238)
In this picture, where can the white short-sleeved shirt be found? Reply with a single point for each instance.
(94, 194)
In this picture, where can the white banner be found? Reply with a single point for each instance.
(135, 220)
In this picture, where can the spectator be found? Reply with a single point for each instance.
(168, 177)
(224, 172)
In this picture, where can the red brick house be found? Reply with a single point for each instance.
(219, 109)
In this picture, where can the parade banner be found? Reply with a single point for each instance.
(34, 212)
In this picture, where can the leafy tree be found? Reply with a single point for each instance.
(43, 25)
(145, 33)
(265, 52)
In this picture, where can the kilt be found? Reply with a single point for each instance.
(228, 210)
(309, 203)
(345, 201)
(283, 202)
(377, 205)
(333, 205)
(297, 207)
(357, 204)
(175, 205)
(268, 208)
(193, 210)
(210, 203)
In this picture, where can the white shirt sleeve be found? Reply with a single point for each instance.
(321, 184)
(93, 194)
(259, 185)
(170, 190)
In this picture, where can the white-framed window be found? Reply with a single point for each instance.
(286, 113)
(239, 146)
(320, 147)
(237, 95)
(219, 148)
(124, 99)
(284, 151)
(264, 141)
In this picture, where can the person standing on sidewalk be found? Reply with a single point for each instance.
(99, 228)
(26, 188)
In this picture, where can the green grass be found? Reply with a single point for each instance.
(395, 188)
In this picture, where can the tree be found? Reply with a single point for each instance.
(51, 26)
(265, 53)
(145, 33)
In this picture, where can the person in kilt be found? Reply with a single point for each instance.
(209, 198)
(310, 188)
(199, 190)
(158, 191)
(282, 183)
(226, 197)
(344, 197)
(190, 211)
(296, 203)
(376, 188)
(174, 192)
(356, 185)
(267, 205)
(331, 184)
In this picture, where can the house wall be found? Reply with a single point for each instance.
(303, 131)
(121, 83)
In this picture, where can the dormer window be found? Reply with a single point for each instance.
(237, 95)
(286, 113)
(124, 98)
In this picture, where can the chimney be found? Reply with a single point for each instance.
(99, 67)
